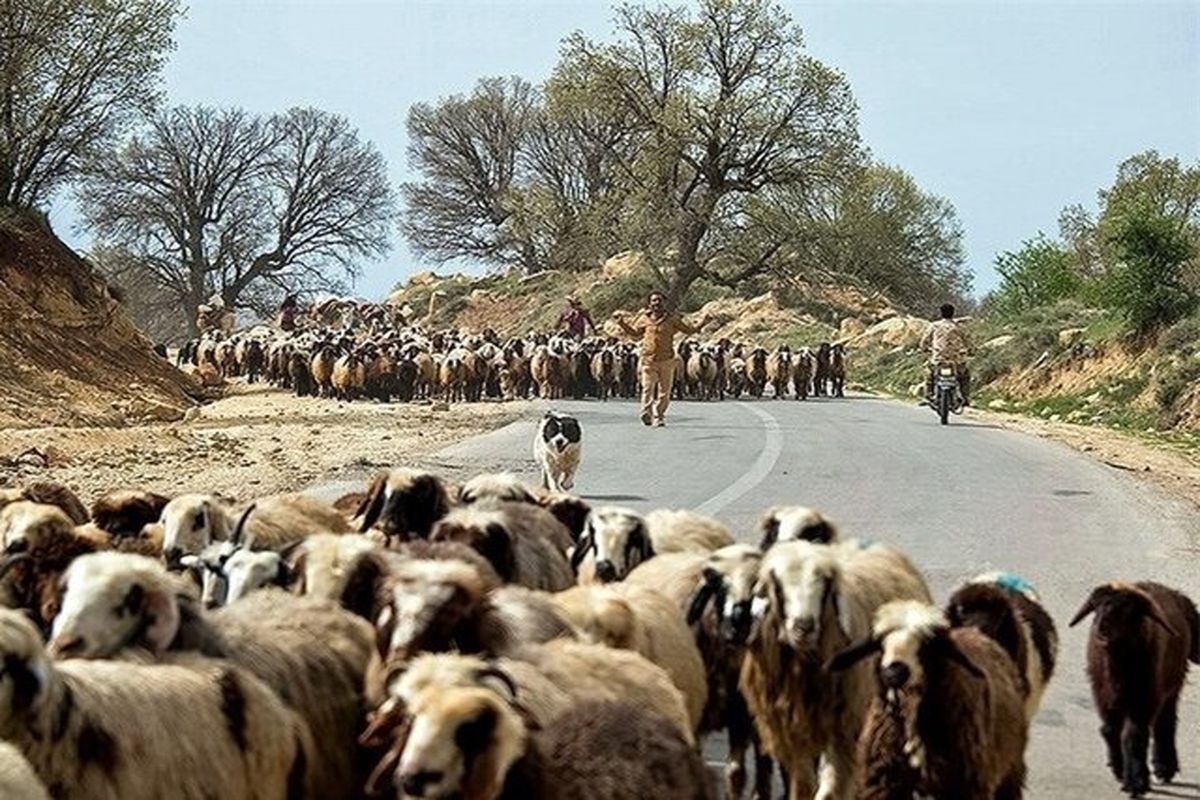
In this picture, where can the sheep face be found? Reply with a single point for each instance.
(1120, 610)
(728, 582)
(112, 601)
(619, 539)
(209, 569)
(905, 631)
(248, 570)
(191, 523)
(484, 532)
(24, 524)
(26, 668)
(461, 743)
(801, 582)
(986, 607)
(405, 503)
(426, 600)
(795, 523)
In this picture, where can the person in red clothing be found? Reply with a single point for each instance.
(575, 319)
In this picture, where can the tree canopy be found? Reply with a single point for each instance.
(706, 137)
(210, 201)
(74, 74)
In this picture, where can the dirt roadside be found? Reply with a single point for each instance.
(1174, 471)
(253, 442)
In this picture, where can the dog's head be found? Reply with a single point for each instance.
(560, 431)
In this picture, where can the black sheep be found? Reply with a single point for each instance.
(1143, 636)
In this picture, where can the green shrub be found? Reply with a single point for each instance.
(1175, 382)
(1147, 284)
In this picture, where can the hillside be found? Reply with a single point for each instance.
(69, 355)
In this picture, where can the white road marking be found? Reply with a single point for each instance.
(758, 471)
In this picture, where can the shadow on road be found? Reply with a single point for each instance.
(616, 498)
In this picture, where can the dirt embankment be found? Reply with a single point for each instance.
(253, 442)
(69, 355)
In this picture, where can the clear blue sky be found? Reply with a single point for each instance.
(1009, 109)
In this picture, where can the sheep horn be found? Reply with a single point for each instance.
(1154, 613)
(492, 671)
(374, 503)
(853, 654)
(1098, 595)
(581, 551)
(239, 530)
(11, 561)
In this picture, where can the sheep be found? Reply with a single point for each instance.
(568, 509)
(524, 543)
(126, 512)
(756, 371)
(193, 521)
(618, 539)
(41, 543)
(321, 564)
(723, 580)
(821, 369)
(819, 598)
(428, 605)
(948, 719)
(803, 368)
(310, 651)
(1141, 641)
(321, 369)
(405, 503)
(97, 730)
(496, 486)
(604, 373)
(779, 370)
(1005, 608)
(793, 523)
(48, 493)
(837, 370)
(471, 743)
(552, 677)
(643, 620)
(17, 778)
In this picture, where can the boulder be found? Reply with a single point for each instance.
(903, 332)
(1071, 336)
(623, 264)
(851, 327)
(998, 342)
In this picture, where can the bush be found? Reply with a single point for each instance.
(1147, 284)
(1173, 384)
(1041, 273)
(1183, 337)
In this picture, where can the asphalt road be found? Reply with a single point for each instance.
(961, 500)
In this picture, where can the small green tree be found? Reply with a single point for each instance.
(1147, 284)
(1042, 272)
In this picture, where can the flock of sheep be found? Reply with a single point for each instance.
(406, 363)
(424, 639)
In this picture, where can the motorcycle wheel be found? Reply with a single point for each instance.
(943, 409)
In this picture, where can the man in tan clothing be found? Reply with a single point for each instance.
(947, 343)
(657, 328)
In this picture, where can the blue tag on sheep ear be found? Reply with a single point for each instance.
(1013, 582)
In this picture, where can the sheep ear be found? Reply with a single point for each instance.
(638, 548)
(372, 506)
(497, 548)
(584, 547)
(700, 599)
(770, 530)
(239, 532)
(161, 613)
(1098, 596)
(854, 654)
(821, 532)
(362, 579)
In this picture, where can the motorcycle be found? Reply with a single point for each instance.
(947, 398)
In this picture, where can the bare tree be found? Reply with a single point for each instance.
(223, 202)
(73, 75)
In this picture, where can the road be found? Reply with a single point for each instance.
(960, 500)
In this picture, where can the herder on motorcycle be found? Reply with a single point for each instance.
(948, 344)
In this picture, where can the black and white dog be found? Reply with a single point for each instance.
(557, 449)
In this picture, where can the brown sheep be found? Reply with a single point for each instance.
(349, 377)
(525, 544)
(126, 512)
(1139, 647)
(804, 368)
(837, 370)
(50, 494)
(779, 370)
(604, 373)
(321, 369)
(404, 503)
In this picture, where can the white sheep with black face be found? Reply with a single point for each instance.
(618, 539)
(795, 523)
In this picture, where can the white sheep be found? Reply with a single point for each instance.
(819, 599)
(18, 781)
(311, 651)
(793, 523)
(193, 521)
(102, 730)
(615, 540)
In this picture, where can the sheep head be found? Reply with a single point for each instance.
(112, 601)
(619, 540)
(460, 742)
(801, 581)
(795, 523)
(26, 668)
(192, 522)
(24, 525)
(727, 582)
(1120, 609)
(426, 603)
(404, 503)
(485, 532)
(496, 486)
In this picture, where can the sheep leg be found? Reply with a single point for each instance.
(741, 733)
(1012, 787)
(1135, 741)
(1165, 757)
(802, 779)
(1111, 731)
(837, 774)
